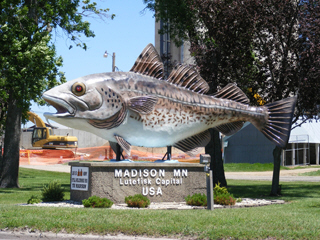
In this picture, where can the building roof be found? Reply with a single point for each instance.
(308, 132)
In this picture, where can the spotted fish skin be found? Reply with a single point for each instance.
(177, 107)
(141, 108)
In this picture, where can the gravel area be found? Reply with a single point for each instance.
(246, 202)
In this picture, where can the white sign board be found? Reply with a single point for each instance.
(79, 178)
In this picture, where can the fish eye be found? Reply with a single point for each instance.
(78, 89)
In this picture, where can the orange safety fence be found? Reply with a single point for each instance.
(102, 153)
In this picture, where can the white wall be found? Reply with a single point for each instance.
(85, 139)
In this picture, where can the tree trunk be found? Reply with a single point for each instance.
(276, 189)
(11, 153)
(0, 158)
(214, 149)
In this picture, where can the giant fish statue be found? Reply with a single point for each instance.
(141, 108)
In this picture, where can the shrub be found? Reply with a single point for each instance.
(34, 199)
(222, 196)
(137, 200)
(220, 190)
(97, 202)
(52, 192)
(225, 199)
(197, 199)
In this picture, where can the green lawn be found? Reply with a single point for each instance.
(248, 167)
(315, 173)
(298, 219)
(257, 167)
(31, 183)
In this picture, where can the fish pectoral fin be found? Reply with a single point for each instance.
(123, 144)
(232, 92)
(111, 122)
(143, 104)
(230, 128)
(149, 63)
(191, 144)
(188, 77)
(194, 152)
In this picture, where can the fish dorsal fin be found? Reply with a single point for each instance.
(230, 128)
(123, 144)
(188, 77)
(149, 63)
(232, 92)
(191, 144)
(142, 104)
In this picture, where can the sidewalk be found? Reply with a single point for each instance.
(285, 175)
(53, 168)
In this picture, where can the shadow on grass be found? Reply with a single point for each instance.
(289, 191)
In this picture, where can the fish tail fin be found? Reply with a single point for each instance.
(278, 127)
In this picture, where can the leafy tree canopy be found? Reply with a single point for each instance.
(267, 47)
(28, 61)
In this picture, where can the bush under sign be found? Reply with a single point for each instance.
(79, 178)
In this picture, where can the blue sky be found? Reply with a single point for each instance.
(130, 31)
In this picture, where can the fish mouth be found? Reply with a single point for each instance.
(63, 108)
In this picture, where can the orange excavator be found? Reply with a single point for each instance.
(42, 136)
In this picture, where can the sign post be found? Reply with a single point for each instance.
(206, 159)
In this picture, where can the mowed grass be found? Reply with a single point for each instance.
(31, 183)
(258, 167)
(315, 173)
(250, 167)
(297, 219)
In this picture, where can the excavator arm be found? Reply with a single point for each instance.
(42, 135)
(36, 120)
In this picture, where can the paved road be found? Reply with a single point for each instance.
(285, 175)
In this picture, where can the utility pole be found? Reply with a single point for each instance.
(113, 62)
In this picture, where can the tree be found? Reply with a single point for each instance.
(269, 47)
(188, 20)
(29, 64)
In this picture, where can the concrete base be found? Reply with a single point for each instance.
(160, 182)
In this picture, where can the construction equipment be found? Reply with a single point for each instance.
(42, 136)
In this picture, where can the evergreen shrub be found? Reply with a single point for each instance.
(34, 199)
(196, 199)
(52, 192)
(138, 201)
(222, 196)
(97, 202)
